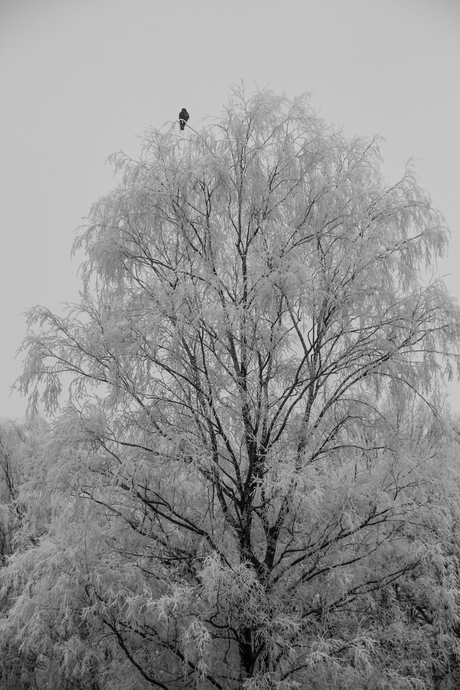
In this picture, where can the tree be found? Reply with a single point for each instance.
(239, 495)
(10, 441)
(18, 444)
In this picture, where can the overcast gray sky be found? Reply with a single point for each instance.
(80, 79)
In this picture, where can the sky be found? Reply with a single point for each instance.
(81, 79)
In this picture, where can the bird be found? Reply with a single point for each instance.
(183, 118)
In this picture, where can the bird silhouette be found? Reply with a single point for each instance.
(183, 117)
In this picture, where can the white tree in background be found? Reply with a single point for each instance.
(235, 494)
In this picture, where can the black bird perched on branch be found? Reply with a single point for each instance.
(183, 118)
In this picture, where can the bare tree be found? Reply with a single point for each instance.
(255, 315)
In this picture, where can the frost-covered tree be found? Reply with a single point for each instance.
(18, 449)
(235, 495)
(11, 444)
(19, 441)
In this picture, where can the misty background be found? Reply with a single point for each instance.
(82, 79)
